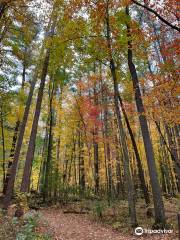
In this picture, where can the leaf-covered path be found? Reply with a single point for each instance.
(80, 227)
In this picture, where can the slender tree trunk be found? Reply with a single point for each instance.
(129, 183)
(3, 147)
(24, 70)
(15, 136)
(177, 132)
(163, 58)
(138, 160)
(163, 181)
(96, 148)
(44, 156)
(157, 196)
(104, 118)
(65, 168)
(11, 156)
(47, 188)
(81, 163)
(107, 147)
(74, 160)
(165, 160)
(174, 155)
(31, 147)
(13, 146)
(75, 173)
(109, 168)
(119, 185)
(12, 175)
(70, 168)
(96, 166)
(57, 169)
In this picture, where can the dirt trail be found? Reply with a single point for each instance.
(80, 227)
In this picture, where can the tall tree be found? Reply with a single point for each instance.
(13, 169)
(129, 182)
(31, 147)
(157, 196)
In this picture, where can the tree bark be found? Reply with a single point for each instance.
(177, 133)
(31, 147)
(81, 163)
(57, 169)
(11, 156)
(3, 147)
(96, 148)
(11, 180)
(47, 188)
(129, 183)
(138, 160)
(157, 196)
(96, 166)
(119, 185)
(173, 151)
(107, 147)
(16, 129)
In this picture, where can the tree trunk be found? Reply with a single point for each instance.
(177, 132)
(165, 160)
(57, 169)
(81, 163)
(31, 147)
(16, 129)
(96, 166)
(44, 156)
(129, 183)
(173, 157)
(157, 196)
(74, 163)
(138, 160)
(12, 176)
(173, 150)
(47, 188)
(96, 148)
(11, 156)
(107, 147)
(3, 147)
(119, 185)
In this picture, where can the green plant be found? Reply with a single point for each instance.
(98, 209)
(28, 229)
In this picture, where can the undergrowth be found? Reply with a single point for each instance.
(26, 228)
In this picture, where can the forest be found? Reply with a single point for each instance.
(89, 119)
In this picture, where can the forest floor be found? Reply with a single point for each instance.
(70, 226)
(82, 220)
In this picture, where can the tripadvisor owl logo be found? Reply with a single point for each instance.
(138, 231)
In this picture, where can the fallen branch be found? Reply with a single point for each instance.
(75, 212)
